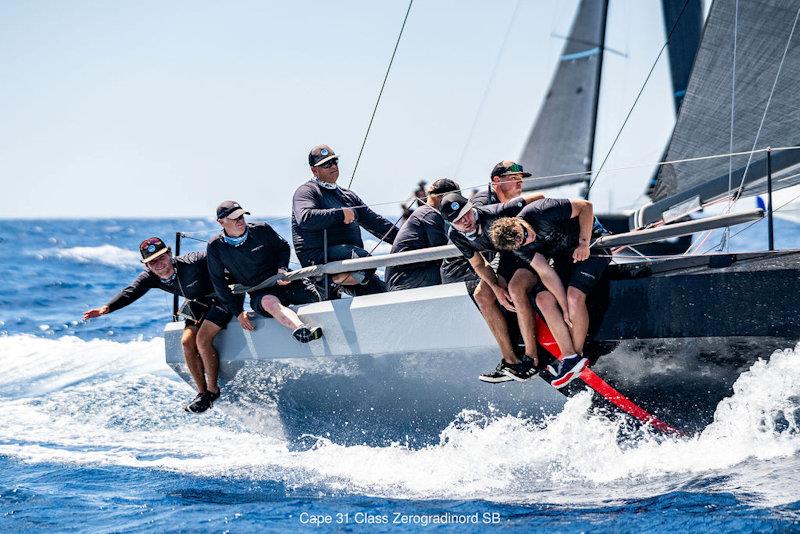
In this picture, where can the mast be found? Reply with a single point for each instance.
(598, 79)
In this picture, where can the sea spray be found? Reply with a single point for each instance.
(108, 403)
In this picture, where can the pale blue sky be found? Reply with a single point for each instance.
(134, 109)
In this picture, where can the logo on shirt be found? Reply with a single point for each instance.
(258, 247)
(192, 284)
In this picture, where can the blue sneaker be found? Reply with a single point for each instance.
(566, 370)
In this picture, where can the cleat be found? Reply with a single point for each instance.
(566, 370)
(305, 334)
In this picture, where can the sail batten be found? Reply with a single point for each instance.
(758, 98)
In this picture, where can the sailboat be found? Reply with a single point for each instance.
(668, 336)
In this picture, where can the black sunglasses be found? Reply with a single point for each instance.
(524, 235)
(330, 163)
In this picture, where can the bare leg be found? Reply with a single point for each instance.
(555, 321)
(281, 313)
(576, 300)
(519, 287)
(205, 344)
(487, 304)
(192, 357)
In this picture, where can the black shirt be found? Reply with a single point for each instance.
(316, 209)
(479, 241)
(424, 228)
(191, 281)
(250, 263)
(557, 232)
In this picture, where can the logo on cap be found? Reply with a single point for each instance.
(324, 152)
(454, 205)
(151, 248)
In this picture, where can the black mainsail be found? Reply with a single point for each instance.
(741, 97)
(562, 139)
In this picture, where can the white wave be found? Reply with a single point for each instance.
(104, 254)
(102, 402)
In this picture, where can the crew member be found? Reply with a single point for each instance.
(321, 205)
(561, 230)
(186, 276)
(470, 233)
(505, 184)
(247, 254)
(424, 228)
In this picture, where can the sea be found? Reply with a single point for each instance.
(93, 436)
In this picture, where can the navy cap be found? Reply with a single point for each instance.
(442, 186)
(454, 206)
(320, 154)
(230, 210)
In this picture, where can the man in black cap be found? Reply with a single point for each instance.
(320, 206)
(561, 230)
(505, 184)
(186, 276)
(249, 253)
(425, 228)
(469, 231)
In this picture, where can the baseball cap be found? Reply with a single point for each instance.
(454, 206)
(506, 167)
(230, 210)
(320, 154)
(151, 248)
(442, 186)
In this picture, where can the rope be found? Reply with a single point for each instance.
(636, 100)
(380, 93)
(577, 173)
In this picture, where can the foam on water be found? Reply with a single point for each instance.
(108, 403)
(102, 254)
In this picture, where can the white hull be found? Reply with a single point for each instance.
(397, 366)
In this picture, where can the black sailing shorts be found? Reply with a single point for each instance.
(206, 310)
(298, 292)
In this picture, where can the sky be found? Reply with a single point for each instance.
(161, 109)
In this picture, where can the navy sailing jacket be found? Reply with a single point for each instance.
(316, 209)
(254, 260)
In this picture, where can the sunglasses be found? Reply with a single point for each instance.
(330, 163)
(524, 235)
(512, 169)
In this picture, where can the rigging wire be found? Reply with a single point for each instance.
(380, 93)
(727, 233)
(489, 83)
(766, 109)
(636, 100)
(577, 173)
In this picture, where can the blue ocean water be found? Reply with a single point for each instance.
(93, 437)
